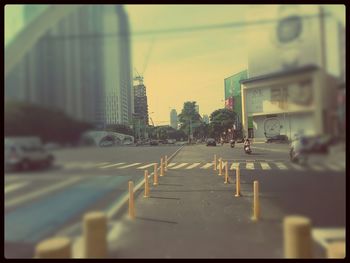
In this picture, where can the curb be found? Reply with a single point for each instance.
(114, 210)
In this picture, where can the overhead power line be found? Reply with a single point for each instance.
(183, 29)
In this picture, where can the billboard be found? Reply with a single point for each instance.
(292, 39)
(233, 86)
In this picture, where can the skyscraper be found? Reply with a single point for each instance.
(141, 105)
(74, 67)
(173, 119)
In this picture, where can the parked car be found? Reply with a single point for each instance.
(23, 153)
(278, 138)
(211, 142)
(153, 142)
(171, 141)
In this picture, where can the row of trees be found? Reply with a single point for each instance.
(191, 123)
(24, 119)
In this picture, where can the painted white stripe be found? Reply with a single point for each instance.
(88, 165)
(13, 187)
(250, 166)
(316, 167)
(171, 164)
(111, 165)
(179, 165)
(32, 195)
(265, 166)
(281, 166)
(146, 166)
(297, 167)
(333, 167)
(207, 165)
(127, 166)
(104, 163)
(193, 165)
(321, 235)
(234, 166)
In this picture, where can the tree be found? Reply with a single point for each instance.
(25, 119)
(221, 121)
(189, 118)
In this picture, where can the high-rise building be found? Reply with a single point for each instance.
(140, 100)
(173, 119)
(74, 67)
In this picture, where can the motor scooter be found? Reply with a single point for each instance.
(247, 149)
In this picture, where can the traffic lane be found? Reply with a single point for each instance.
(318, 195)
(114, 154)
(203, 153)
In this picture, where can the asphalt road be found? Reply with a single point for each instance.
(40, 204)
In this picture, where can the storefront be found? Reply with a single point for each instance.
(289, 103)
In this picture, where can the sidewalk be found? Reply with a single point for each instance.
(195, 215)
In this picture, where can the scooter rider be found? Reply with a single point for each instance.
(246, 143)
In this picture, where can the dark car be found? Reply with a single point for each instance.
(211, 142)
(278, 138)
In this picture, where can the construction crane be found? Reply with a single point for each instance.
(139, 77)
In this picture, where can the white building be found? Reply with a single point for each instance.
(173, 119)
(291, 72)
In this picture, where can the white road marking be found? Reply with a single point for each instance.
(265, 166)
(179, 165)
(193, 165)
(32, 195)
(316, 167)
(206, 166)
(333, 167)
(104, 163)
(111, 165)
(297, 167)
(15, 186)
(127, 166)
(250, 166)
(171, 164)
(234, 166)
(146, 166)
(281, 166)
(321, 235)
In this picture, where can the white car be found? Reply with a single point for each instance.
(25, 152)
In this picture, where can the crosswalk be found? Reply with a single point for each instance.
(232, 165)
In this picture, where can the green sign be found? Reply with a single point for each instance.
(233, 86)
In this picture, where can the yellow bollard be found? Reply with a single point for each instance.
(220, 166)
(215, 162)
(95, 235)
(59, 247)
(131, 200)
(297, 237)
(146, 184)
(161, 167)
(155, 174)
(166, 163)
(256, 208)
(336, 250)
(238, 183)
(226, 173)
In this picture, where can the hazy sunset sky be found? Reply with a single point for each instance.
(189, 66)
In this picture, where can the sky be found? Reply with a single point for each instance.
(189, 66)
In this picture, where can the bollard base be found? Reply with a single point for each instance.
(238, 195)
(145, 196)
(155, 184)
(254, 219)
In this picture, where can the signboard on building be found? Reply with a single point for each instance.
(291, 40)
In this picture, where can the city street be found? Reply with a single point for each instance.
(41, 204)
